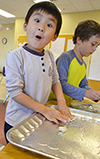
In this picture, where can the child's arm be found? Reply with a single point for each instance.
(50, 113)
(62, 107)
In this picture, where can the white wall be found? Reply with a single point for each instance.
(4, 49)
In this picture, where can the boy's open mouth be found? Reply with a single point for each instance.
(38, 37)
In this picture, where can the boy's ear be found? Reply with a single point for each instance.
(24, 26)
(55, 37)
(78, 40)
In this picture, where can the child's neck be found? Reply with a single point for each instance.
(79, 56)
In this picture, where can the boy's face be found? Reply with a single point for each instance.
(87, 47)
(40, 30)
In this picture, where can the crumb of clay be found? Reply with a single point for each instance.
(62, 129)
(73, 119)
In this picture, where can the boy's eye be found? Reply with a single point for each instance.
(37, 20)
(49, 25)
(92, 44)
(96, 45)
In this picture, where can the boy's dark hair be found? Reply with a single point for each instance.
(49, 8)
(86, 29)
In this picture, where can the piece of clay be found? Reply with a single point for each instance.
(62, 129)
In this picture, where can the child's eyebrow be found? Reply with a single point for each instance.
(42, 15)
(52, 20)
(37, 14)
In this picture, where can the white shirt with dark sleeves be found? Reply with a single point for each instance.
(28, 72)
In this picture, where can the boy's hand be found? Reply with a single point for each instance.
(92, 94)
(65, 111)
(56, 116)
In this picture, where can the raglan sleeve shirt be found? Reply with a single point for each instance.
(31, 73)
(77, 93)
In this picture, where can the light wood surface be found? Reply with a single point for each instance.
(13, 152)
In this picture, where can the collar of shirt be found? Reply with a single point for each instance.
(33, 51)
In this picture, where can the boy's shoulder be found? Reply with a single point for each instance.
(16, 50)
(49, 53)
(67, 55)
(15, 53)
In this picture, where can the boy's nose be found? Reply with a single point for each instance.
(41, 29)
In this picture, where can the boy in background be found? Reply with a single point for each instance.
(31, 72)
(71, 66)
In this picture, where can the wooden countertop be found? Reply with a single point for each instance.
(13, 152)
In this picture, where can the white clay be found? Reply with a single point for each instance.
(62, 129)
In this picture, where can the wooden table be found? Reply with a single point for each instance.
(13, 152)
